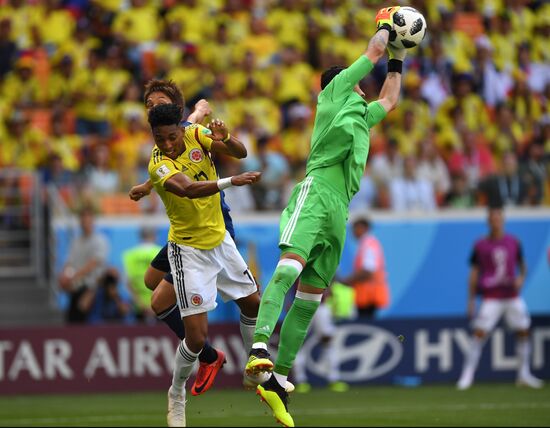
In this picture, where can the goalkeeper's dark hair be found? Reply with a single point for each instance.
(164, 115)
(329, 74)
(168, 88)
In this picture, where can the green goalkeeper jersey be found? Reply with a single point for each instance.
(340, 140)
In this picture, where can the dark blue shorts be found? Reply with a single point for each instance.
(160, 262)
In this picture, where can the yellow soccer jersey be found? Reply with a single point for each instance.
(196, 222)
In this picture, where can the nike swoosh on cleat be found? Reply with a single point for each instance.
(199, 389)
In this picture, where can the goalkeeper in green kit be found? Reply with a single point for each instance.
(313, 225)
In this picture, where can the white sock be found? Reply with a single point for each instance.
(523, 349)
(472, 359)
(259, 345)
(183, 367)
(281, 379)
(247, 326)
(299, 367)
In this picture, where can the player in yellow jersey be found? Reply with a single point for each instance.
(158, 276)
(203, 258)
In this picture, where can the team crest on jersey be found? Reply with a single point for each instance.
(196, 155)
(196, 299)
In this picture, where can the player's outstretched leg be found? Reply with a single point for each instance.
(287, 272)
(207, 373)
(275, 396)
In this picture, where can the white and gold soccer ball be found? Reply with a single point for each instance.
(409, 28)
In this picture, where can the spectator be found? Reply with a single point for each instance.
(506, 134)
(239, 198)
(109, 305)
(99, 176)
(369, 277)
(21, 88)
(136, 260)
(490, 83)
(460, 195)
(471, 158)
(365, 198)
(54, 173)
(91, 95)
(432, 167)
(8, 48)
(259, 59)
(534, 173)
(269, 191)
(295, 139)
(507, 187)
(409, 192)
(387, 165)
(85, 264)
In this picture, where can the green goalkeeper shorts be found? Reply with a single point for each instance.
(313, 226)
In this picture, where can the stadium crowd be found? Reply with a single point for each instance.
(473, 126)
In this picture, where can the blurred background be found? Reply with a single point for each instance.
(472, 130)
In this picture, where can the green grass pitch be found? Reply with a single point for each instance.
(498, 404)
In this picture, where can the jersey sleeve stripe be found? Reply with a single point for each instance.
(157, 156)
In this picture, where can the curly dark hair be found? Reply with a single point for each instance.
(164, 115)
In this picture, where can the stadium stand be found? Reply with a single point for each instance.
(478, 86)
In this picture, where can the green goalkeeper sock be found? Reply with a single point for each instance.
(294, 330)
(286, 273)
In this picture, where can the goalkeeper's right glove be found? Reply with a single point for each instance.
(396, 53)
(384, 17)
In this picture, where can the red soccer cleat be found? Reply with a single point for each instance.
(207, 373)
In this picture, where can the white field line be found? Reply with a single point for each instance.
(364, 411)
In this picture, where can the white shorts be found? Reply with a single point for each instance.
(200, 274)
(491, 310)
(322, 324)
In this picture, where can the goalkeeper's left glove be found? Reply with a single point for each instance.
(384, 17)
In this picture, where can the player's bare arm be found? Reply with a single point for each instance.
(202, 110)
(181, 185)
(140, 190)
(378, 42)
(377, 45)
(389, 94)
(224, 142)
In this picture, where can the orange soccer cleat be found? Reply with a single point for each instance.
(207, 373)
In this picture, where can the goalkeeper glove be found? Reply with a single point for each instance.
(384, 17)
(396, 53)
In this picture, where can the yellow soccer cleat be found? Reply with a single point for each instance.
(258, 361)
(277, 402)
